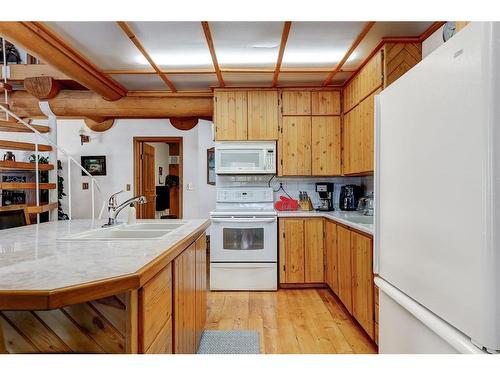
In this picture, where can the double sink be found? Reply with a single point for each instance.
(139, 231)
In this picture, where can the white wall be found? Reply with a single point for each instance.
(117, 145)
(432, 42)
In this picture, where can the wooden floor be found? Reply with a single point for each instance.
(290, 321)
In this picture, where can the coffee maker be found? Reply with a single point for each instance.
(325, 192)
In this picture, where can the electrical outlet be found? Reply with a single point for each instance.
(127, 188)
(85, 186)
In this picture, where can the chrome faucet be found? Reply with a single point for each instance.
(114, 209)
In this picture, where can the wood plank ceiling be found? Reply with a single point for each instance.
(198, 56)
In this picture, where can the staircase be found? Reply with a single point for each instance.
(23, 176)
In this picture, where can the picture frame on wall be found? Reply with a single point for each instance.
(211, 166)
(95, 165)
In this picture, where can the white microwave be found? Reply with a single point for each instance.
(245, 158)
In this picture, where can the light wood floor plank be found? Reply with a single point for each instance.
(290, 321)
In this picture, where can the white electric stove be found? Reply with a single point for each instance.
(243, 246)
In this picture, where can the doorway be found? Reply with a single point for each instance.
(158, 176)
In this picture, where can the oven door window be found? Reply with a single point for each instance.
(243, 238)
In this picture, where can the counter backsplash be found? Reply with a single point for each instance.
(294, 185)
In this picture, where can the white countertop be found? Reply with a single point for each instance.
(343, 217)
(31, 257)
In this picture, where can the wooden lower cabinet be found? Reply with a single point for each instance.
(166, 315)
(362, 282)
(331, 256)
(349, 273)
(314, 263)
(344, 267)
(190, 297)
(201, 286)
(301, 251)
(155, 318)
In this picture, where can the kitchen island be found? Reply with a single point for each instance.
(124, 295)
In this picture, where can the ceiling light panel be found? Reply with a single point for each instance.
(173, 44)
(319, 44)
(382, 30)
(246, 44)
(140, 81)
(103, 43)
(193, 82)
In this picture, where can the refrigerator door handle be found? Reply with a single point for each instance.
(451, 335)
(376, 188)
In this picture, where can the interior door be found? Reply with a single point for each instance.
(148, 182)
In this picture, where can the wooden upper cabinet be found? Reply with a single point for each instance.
(325, 102)
(344, 266)
(231, 115)
(296, 103)
(358, 137)
(331, 256)
(367, 80)
(263, 115)
(296, 146)
(292, 251)
(313, 251)
(362, 281)
(326, 145)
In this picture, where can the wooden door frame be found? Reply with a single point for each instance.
(137, 142)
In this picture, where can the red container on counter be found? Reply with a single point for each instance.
(286, 204)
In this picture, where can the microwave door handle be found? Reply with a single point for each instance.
(270, 220)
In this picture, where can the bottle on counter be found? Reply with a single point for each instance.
(131, 215)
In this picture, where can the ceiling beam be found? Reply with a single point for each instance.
(351, 49)
(85, 104)
(130, 34)
(38, 40)
(433, 28)
(211, 48)
(284, 38)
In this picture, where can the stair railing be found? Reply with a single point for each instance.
(53, 142)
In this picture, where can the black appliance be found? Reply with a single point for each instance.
(349, 197)
(325, 192)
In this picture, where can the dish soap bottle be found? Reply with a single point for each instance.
(131, 214)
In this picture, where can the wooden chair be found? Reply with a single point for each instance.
(14, 216)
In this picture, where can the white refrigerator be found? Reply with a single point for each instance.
(437, 186)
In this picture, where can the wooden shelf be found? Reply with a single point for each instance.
(23, 146)
(25, 186)
(23, 166)
(16, 127)
(42, 208)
